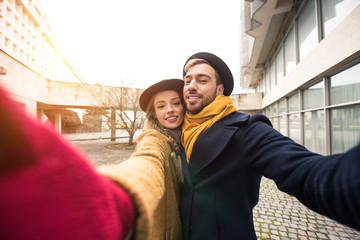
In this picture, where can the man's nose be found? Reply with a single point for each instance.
(191, 86)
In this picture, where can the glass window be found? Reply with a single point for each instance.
(294, 127)
(268, 78)
(345, 86)
(259, 86)
(314, 131)
(313, 96)
(275, 123)
(262, 85)
(283, 125)
(293, 102)
(345, 128)
(334, 11)
(308, 36)
(279, 67)
(282, 119)
(267, 81)
(282, 107)
(275, 109)
(272, 75)
(268, 112)
(290, 52)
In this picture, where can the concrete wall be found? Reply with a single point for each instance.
(32, 90)
(248, 103)
(74, 94)
(25, 85)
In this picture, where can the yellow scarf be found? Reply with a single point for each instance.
(195, 125)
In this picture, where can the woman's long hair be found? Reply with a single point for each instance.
(174, 143)
(154, 122)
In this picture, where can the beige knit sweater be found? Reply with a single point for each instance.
(150, 179)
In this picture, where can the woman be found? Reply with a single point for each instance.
(152, 174)
(49, 190)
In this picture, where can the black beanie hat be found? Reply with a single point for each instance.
(220, 67)
(168, 84)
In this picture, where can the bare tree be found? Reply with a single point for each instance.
(122, 102)
(128, 109)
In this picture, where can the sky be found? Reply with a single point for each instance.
(137, 43)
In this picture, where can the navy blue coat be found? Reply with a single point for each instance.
(222, 179)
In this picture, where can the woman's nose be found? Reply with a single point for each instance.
(170, 108)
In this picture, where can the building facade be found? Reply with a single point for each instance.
(30, 55)
(304, 58)
(42, 79)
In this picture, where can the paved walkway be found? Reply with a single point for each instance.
(281, 216)
(276, 216)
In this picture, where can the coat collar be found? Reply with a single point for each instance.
(213, 141)
(235, 118)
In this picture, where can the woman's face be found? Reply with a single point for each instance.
(168, 109)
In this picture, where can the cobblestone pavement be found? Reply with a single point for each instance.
(277, 216)
(281, 216)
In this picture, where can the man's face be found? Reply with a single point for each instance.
(200, 87)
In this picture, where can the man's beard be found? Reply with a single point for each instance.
(196, 108)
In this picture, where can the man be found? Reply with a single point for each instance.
(227, 153)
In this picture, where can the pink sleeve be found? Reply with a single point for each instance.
(48, 190)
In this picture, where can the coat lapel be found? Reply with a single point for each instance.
(185, 168)
(213, 141)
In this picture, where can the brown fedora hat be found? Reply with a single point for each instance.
(163, 85)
